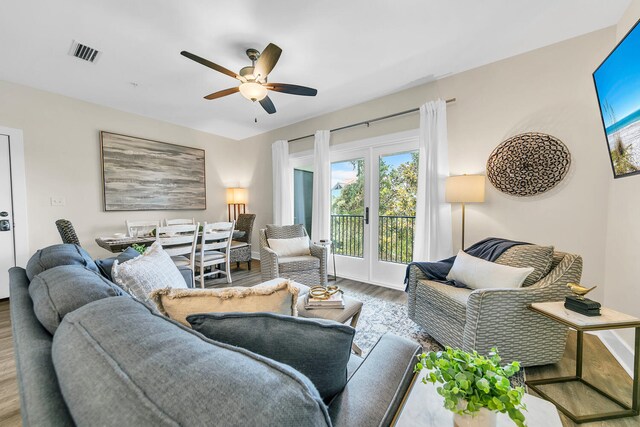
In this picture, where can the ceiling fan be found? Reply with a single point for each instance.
(253, 79)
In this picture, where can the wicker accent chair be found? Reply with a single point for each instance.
(484, 318)
(67, 232)
(241, 247)
(310, 270)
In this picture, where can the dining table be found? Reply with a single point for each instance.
(119, 244)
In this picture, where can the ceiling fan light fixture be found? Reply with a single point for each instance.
(253, 91)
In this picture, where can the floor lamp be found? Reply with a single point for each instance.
(236, 197)
(464, 189)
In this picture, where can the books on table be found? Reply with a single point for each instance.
(334, 301)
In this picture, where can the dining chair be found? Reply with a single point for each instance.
(134, 227)
(213, 250)
(180, 241)
(67, 232)
(179, 221)
(241, 243)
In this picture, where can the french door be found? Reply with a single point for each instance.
(373, 192)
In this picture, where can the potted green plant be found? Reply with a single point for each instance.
(474, 387)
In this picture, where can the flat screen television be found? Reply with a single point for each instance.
(617, 82)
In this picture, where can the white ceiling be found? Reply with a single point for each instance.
(351, 51)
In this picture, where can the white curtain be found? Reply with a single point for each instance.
(282, 184)
(321, 211)
(433, 214)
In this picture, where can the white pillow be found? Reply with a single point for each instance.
(478, 273)
(296, 246)
(142, 275)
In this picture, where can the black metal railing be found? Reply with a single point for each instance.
(347, 233)
(395, 237)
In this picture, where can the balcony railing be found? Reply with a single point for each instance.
(395, 237)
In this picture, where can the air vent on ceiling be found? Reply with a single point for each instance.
(84, 52)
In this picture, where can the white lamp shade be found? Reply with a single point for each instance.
(236, 196)
(465, 189)
(253, 91)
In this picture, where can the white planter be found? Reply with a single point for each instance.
(483, 418)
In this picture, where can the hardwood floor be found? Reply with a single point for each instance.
(599, 365)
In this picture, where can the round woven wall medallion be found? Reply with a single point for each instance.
(528, 164)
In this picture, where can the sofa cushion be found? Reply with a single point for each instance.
(63, 289)
(55, 255)
(538, 257)
(477, 273)
(280, 297)
(298, 263)
(105, 265)
(318, 348)
(144, 274)
(172, 376)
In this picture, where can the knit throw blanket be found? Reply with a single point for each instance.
(488, 249)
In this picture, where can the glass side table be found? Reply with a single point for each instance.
(329, 244)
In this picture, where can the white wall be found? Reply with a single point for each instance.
(547, 90)
(62, 152)
(622, 282)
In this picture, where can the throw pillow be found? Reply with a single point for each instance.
(105, 265)
(538, 257)
(296, 246)
(63, 289)
(318, 348)
(177, 304)
(55, 255)
(146, 273)
(478, 273)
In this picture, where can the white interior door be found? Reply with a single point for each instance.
(7, 240)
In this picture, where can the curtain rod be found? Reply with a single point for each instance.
(368, 122)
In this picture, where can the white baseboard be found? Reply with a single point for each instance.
(618, 348)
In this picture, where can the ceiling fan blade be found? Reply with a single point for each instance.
(267, 104)
(222, 93)
(292, 89)
(267, 60)
(211, 65)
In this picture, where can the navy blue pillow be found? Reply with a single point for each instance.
(55, 255)
(105, 265)
(318, 348)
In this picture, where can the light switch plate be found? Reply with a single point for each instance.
(57, 201)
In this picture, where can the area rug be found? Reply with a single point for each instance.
(380, 316)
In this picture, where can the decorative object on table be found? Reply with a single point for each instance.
(253, 78)
(329, 244)
(67, 232)
(610, 319)
(236, 197)
(324, 297)
(241, 244)
(141, 174)
(579, 303)
(141, 249)
(578, 290)
(616, 81)
(475, 387)
(464, 189)
(528, 164)
(141, 228)
(310, 270)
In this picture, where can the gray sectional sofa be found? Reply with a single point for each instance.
(116, 362)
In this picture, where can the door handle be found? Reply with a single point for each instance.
(5, 225)
(366, 216)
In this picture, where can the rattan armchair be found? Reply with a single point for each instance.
(241, 246)
(310, 270)
(485, 318)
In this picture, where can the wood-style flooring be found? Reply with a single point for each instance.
(599, 365)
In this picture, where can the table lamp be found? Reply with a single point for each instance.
(236, 197)
(464, 189)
